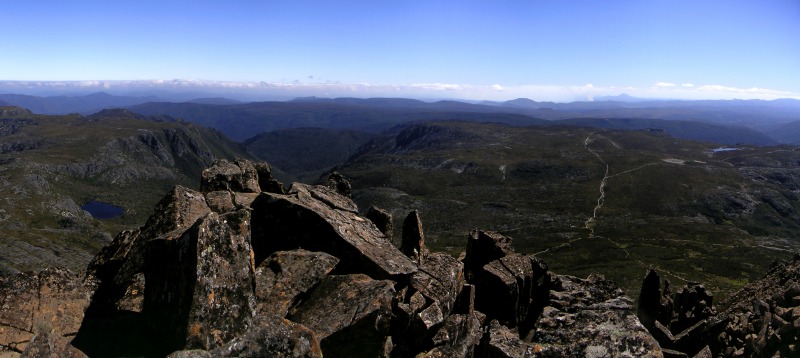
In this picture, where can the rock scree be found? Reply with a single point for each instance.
(246, 268)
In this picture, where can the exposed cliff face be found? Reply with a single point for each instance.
(237, 271)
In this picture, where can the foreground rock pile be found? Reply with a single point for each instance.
(761, 320)
(244, 267)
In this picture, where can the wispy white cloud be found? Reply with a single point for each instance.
(439, 86)
(665, 84)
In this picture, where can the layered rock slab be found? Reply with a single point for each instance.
(286, 275)
(318, 219)
(350, 314)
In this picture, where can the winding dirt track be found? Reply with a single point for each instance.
(592, 221)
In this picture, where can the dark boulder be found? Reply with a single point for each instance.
(326, 195)
(265, 180)
(220, 201)
(654, 306)
(440, 279)
(423, 306)
(458, 336)
(692, 305)
(512, 289)
(502, 342)
(339, 184)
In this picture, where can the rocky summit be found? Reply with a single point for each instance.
(247, 268)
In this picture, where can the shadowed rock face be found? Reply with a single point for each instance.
(229, 273)
(382, 220)
(117, 264)
(413, 244)
(199, 288)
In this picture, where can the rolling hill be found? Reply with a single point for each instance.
(51, 165)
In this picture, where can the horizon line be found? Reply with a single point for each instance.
(334, 89)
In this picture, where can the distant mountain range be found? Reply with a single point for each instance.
(722, 121)
(72, 104)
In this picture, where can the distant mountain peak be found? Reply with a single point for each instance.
(118, 113)
(215, 100)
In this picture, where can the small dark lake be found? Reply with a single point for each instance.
(101, 210)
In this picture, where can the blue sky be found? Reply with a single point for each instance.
(470, 49)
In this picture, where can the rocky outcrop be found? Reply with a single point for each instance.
(654, 305)
(761, 320)
(234, 271)
(683, 322)
(239, 176)
(117, 265)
